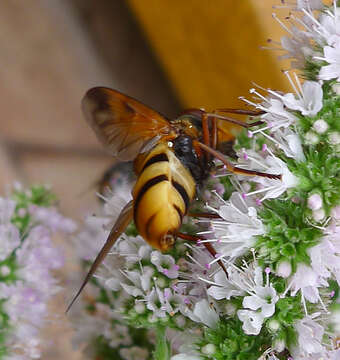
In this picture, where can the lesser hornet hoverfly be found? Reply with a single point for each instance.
(171, 157)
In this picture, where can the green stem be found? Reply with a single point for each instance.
(162, 351)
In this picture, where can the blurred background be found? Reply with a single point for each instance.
(170, 54)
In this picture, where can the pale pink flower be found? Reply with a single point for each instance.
(308, 99)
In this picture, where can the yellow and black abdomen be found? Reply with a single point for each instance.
(162, 195)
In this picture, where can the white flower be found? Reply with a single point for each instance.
(247, 280)
(205, 314)
(307, 281)
(288, 141)
(329, 20)
(7, 208)
(252, 321)
(305, 32)
(110, 274)
(235, 233)
(9, 240)
(25, 298)
(9, 234)
(269, 163)
(308, 100)
(309, 4)
(134, 353)
(101, 322)
(225, 288)
(186, 357)
(325, 259)
(115, 201)
(332, 57)
(264, 299)
(91, 238)
(88, 326)
(136, 285)
(275, 116)
(165, 264)
(261, 301)
(298, 47)
(50, 217)
(310, 335)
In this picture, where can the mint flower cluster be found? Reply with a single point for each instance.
(279, 240)
(28, 257)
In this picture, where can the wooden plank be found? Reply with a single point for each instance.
(211, 49)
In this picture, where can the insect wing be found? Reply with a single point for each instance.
(119, 227)
(226, 131)
(124, 125)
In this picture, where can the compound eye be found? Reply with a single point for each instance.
(167, 241)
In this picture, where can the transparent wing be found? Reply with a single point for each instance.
(124, 125)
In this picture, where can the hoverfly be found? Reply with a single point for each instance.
(170, 158)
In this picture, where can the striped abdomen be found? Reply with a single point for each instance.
(162, 195)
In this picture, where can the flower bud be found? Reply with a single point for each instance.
(208, 349)
(230, 309)
(319, 215)
(180, 321)
(311, 138)
(5, 270)
(334, 138)
(22, 212)
(336, 88)
(320, 126)
(219, 189)
(273, 325)
(335, 212)
(140, 308)
(284, 269)
(160, 282)
(314, 202)
(279, 345)
(152, 319)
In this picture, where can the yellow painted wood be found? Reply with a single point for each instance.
(210, 50)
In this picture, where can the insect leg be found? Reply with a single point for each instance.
(122, 222)
(242, 111)
(233, 168)
(213, 132)
(204, 215)
(208, 246)
(234, 121)
(205, 128)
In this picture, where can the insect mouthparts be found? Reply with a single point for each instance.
(167, 241)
